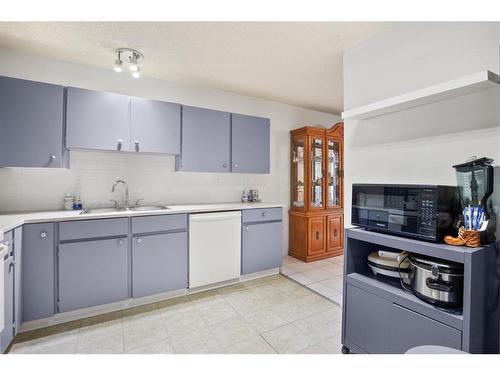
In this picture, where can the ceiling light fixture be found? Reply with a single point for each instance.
(137, 73)
(131, 57)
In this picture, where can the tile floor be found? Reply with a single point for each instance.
(322, 276)
(268, 315)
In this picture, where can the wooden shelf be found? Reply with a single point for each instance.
(397, 295)
(463, 86)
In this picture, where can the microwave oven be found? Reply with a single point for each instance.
(427, 212)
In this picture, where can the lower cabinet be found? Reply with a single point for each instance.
(38, 273)
(377, 325)
(8, 331)
(92, 273)
(262, 246)
(159, 263)
(335, 227)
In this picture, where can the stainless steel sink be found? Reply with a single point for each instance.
(149, 208)
(105, 210)
(101, 210)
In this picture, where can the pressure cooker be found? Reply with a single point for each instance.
(437, 281)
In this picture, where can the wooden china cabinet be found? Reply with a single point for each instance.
(316, 208)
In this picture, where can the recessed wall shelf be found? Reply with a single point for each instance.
(466, 85)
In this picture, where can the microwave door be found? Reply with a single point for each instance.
(404, 224)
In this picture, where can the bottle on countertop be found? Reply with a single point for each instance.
(244, 196)
(68, 202)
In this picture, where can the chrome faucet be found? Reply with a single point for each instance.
(126, 191)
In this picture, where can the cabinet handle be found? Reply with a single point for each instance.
(43, 234)
(119, 145)
(11, 265)
(139, 240)
(335, 233)
(224, 165)
(247, 228)
(136, 143)
(236, 165)
(317, 235)
(120, 242)
(53, 157)
(264, 213)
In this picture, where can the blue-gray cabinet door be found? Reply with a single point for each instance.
(38, 271)
(97, 120)
(419, 330)
(18, 244)
(31, 123)
(205, 140)
(250, 144)
(155, 126)
(367, 321)
(92, 273)
(262, 247)
(159, 263)
(8, 330)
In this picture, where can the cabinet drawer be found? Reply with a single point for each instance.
(262, 214)
(410, 329)
(72, 230)
(149, 224)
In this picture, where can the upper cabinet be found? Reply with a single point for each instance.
(205, 140)
(250, 144)
(97, 120)
(155, 126)
(214, 141)
(31, 124)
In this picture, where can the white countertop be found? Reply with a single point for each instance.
(13, 220)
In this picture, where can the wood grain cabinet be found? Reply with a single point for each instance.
(316, 207)
(31, 123)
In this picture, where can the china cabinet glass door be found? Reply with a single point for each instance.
(298, 171)
(333, 170)
(316, 173)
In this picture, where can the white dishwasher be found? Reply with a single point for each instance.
(214, 248)
(3, 252)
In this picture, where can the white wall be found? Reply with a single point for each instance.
(406, 57)
(150, 177)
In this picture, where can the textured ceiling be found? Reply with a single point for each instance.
(299, 63)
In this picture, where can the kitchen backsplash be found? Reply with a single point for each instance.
(151, 177)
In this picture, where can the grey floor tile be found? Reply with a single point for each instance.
(288, 339)
(232, 331)
(201, 341)
(253, 345)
